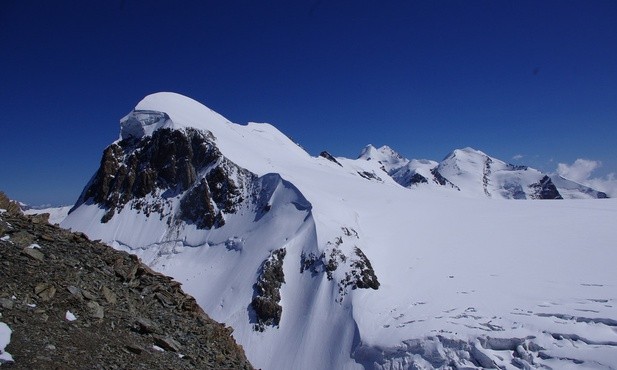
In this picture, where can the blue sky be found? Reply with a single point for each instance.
(531, 79)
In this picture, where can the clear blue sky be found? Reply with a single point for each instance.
(536, 78)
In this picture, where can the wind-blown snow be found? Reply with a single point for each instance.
(465, 281)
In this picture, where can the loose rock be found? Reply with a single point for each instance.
(78, 311)
(34, 253)
(167, 343)
(95, 310)
(45, 291)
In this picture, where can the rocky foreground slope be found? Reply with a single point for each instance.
(72, 303)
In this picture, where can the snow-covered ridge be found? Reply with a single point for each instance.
(473, 173)
(168, 110)
(378, 262)
(467, 170)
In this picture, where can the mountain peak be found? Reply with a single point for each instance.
(168, 110)
(385, 155)
(464, 152)
(368, 152)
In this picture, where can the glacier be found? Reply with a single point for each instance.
(378, 274)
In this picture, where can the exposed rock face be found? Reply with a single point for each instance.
(439, 179)
(417, 179)
(146, 173)
(370, 176)
(545, 189)
(267, 291)
(78, 304)
(362, 275)
(351, 271)
(9, 205)
(329, 157)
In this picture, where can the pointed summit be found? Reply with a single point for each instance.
(385, 155)
(368, 153)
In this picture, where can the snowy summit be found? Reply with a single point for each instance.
(378, 262)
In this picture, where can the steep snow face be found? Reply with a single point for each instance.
(476, 173)
(178, 198)
(573, 190)
(140, 123)
(167, 110)
(416, 172)
(349, 270)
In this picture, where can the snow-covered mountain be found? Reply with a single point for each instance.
(474, 173)
(329, 263)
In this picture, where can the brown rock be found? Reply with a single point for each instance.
(146, 326)
(110, 296)
(104, 332)
(34, 253)
(22, 238)
(40, 218)
(12, 207)
(45, 291)
(75, 291)
(167, 343)
(133, 348)
(89, 295)
(95, 310)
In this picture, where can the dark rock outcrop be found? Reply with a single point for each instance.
(267, 294)
(9, 205)
(545, 189)
(79, 304)
(170, 163)
(417, 179)
(369, 175)
(362, 273)
(358, 273)
(439, 179)
(329, 157)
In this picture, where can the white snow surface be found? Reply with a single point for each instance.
(465, 281)
(5, 339)
(69, 316)
(56, 214)
(385, 155)
(572, 190)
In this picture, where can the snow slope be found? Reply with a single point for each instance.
(56, 214)
(464, 281)
(573, 190)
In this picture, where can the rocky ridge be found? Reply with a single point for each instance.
(72, 303)
(147, 174)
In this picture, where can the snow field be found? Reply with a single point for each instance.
(464, 279)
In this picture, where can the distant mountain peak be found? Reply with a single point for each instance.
(368, 152)
(386, 156)
(465, 152)
(475, 173)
